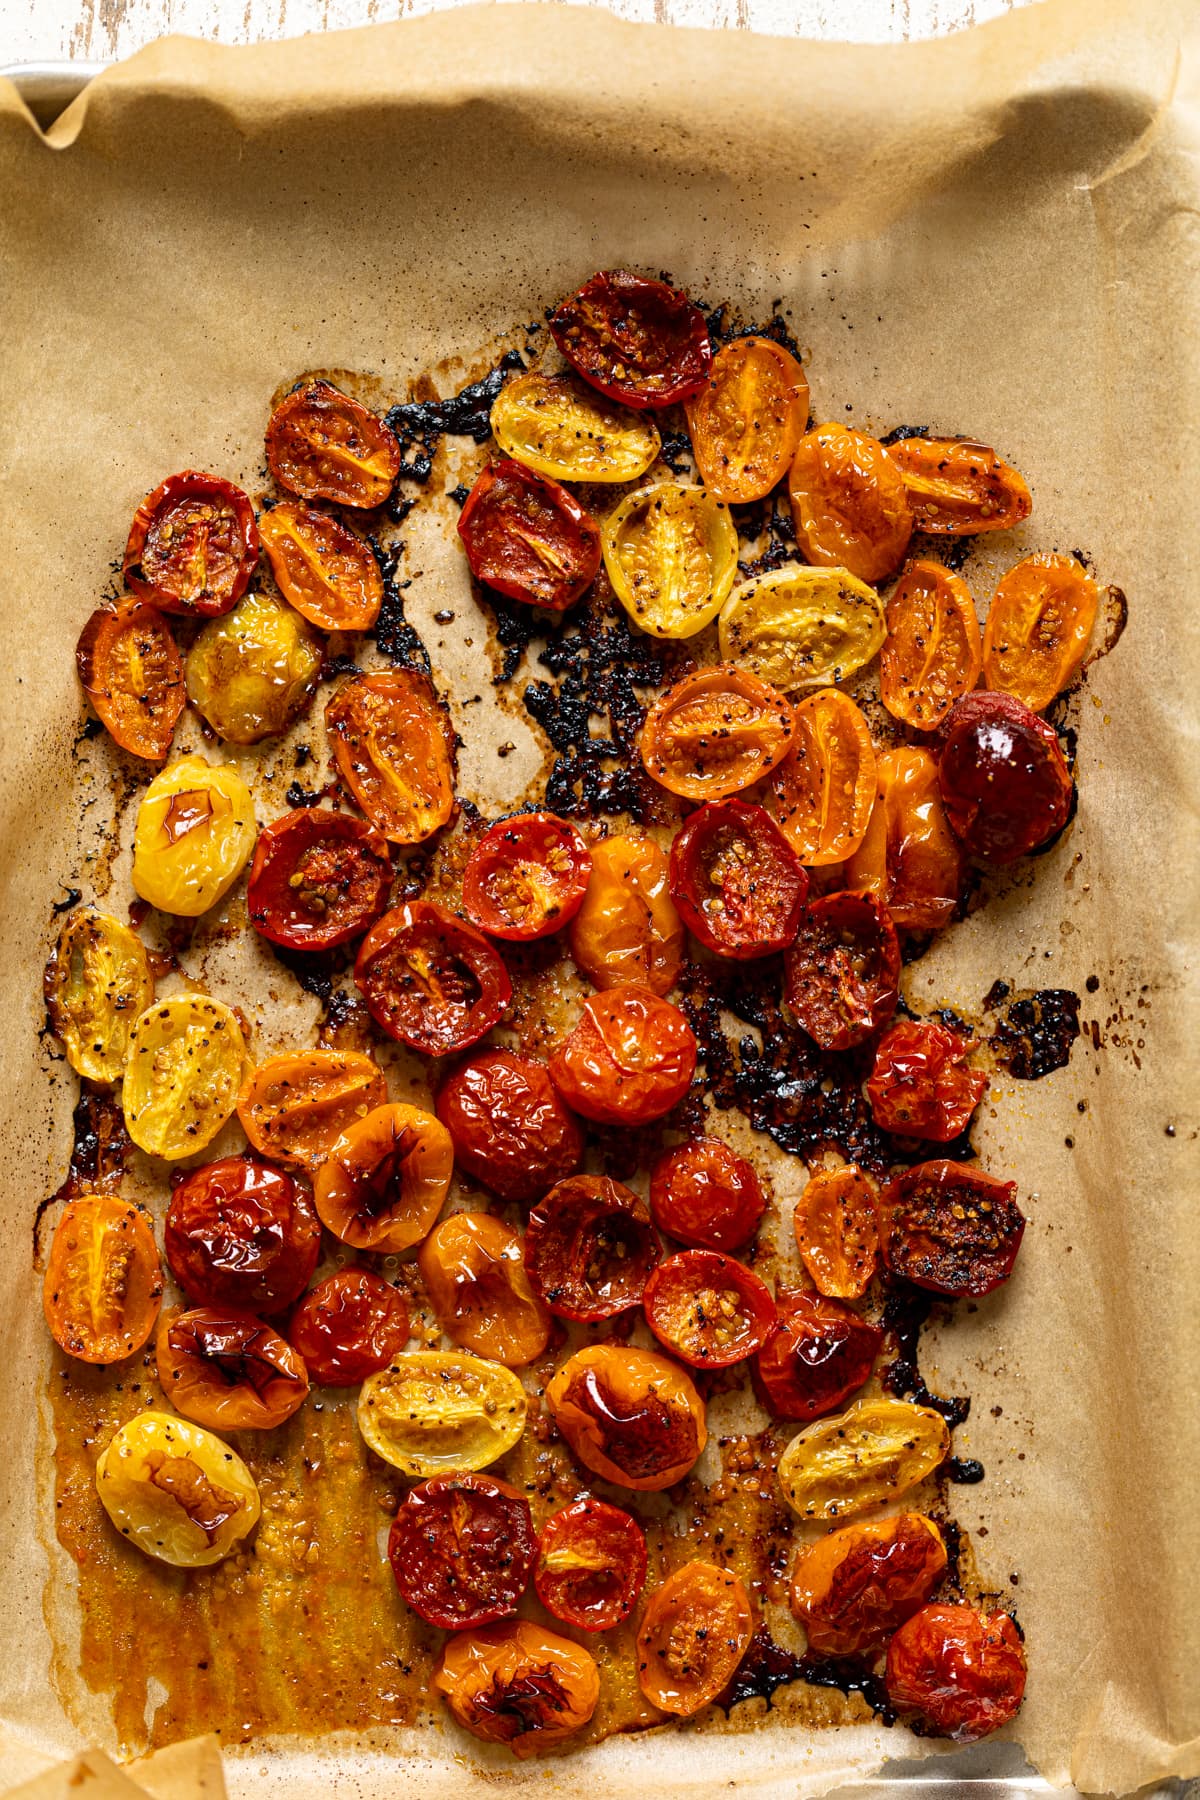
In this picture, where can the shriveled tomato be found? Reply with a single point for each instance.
(837, 1231)
(529, 538)
(630, 1058)
(193, 545)
(671, 553)
(526, 877)
(950, 1228)
(327, 572)
(473, 1273)
(555, 425)
(350, 1325)
(736, 880)
(383, 1183)
(175, 1491)
(747, 419)
(919, 1087)
(706, 1195)
(842, 975)
(187, 1061)
(627, 929)
(1038, 628)
(431, 980)
(132, 672)
(963, 1671)
(932, 653)
(716, 732)
(323, 445)
(251, 672)
(694, 1633)
(589, 1248)
(394, 748)
(874, 1451)
(103, 1283)
(1002, 776)
(461, 1548)
(318, 878)
(228, 1371)
(708, 1309)
(637, 340)
(431, 1411)
(193, 836)
(240, 1233)
(910, 859)
(591, 1564)
(97, 983)
(510, 1128)
(629, 1415)
(852, 1589)
(802, 628)
(517, 1684)
(956, 485)
(825, 787)
(295, 1106)
(848, 503)
(819, 1353)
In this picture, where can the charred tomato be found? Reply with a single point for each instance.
(842, 975)
(529, 538)
(431, 980)
(350, 1325)
(461, 1548)
(736, 880)
(591, 1564)
(952, 1229)
(394, 749)
(526, 877)
(918, 1087)
(837, 1232)
(590, 1247)
(193, 546)
(630, 1058)
(1003, 778)
(318, 878)
(637, 340)
(819, 1353)
(241, 1234)
(510, 1128)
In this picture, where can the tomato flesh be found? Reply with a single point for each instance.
(819, 1353)
(918, 1087)
(394, 749)
(716, 732)
(825, 786)
(510, 1128)
(932, 653)
(590, 1248)
(694, 1633)
(910, 858)
(746, 421)
(963, 1671)
(842, 975)
(351, 1324)
(103, 1282)
(528, 537)
(526, 877)
(323, 445)
(837, 1232)
(706, 1195)
(518, 1684)
(241, 1234)
(636, 340)
(736, 880)
(630, 1058)
(1003, 778)
(951, 1229)
(708, 1309)
(132, 672)
(430, 980)
(193, 545)
(383, 1183)
(325, 570)
(318, 879)
(848, 503)
(1038, 628)
(591, 1564)
(461, 1548)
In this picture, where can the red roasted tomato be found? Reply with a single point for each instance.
(132, 673)
(918, 1087)
(227, 1370)
(709, 1309)
(318, 878)
(589, 1248)
(323, 445)
(526, 877)
(736, 880)
(591, 1564)
(819, 1354)
(952, 1229)
(351, 1324)
(636, 340)
(630, 1059)
(461, 1548)
(529, 538)
(510, 1128)
(193, 545)
(705, 1194)
(963, 1671)
(241, 1233)
(1003, 777)
(842, 975)
(430, 980)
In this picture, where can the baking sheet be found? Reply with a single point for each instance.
(988, 234)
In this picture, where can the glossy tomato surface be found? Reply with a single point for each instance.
(747, 419)
(706, 1195)
(461, 1548)
(932, 653)
(295, 1106)
(824, 788)
(241, 1234)
(175, 1491)
(963, 1671)
(627, 931)
(526, 877)
(431, 980)
(591, 1564)
(736, 880)
(187, 1062)
(477, 1284)
(713, 733)
(589, 1248)
(670, 551)
(193, 546)
(852, 1589)
(630, 1058)
(193, 836)
(1003, 778)
(910, 859)
(318, 879)
(919, 1087)
(561, 428)
(351, 1324)
(637, 340)
(252, 671)
(103, 1283)
(819, 1353)
(518, 1684)
(325, 570)
(842, 975)
(799, 627)
(632, 1416)
(394, 748)
(836, 1223)
(849, 506)
(132, 672)
(868, 1455)
(383, 1183)
(323, 445)
(529, 538)
(708, 1309)
(694, 1633)
(510, 1128)
(228, 1371)
(953, 1229)
(959, 486)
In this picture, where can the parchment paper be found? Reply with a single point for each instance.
(994, 234)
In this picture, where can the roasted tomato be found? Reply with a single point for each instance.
(627, 930)
(952, 1229)
(694, 1633)
(630, 1058)
(351, 1324)
(708, 1309)
(802, 628)
(517, 1684)
(963, 1671)
(736, 880)
(240, 1233)
(716, 732)
(461, 1548)
(910, 859)
(176, 1491)
(637, 340)
(553, 424)
(629, 1415)
(294, 1107)
(1038, 629)
(918, 1087)
(958, 486)
(671, 553)
(250, 673)
(394, 748)
(932, 654)
(383, 1183)
(848, 503)
(873, 1452)
(327, 572)
(187, 1061)
(706, 1195)
(819, 1353)
(526, 877)
(1002, 776)
(473, 1273)
(193, 837)
(589, 1248)
(431, 980)
(747, 419)
(193, 545)
(825, 786)
(591, 1564)
(318, 878)
(431, 1411)
(228, 1370)
(529, 538)
(509, 1126)
(842, 975)
(132, 673)
(103, 1283)
(852, 1589)
(837, 1232)
(324, 446)
(97, 983)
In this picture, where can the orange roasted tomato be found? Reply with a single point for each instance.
(1038, 628)
(837, 1232)
(589, 1248)
(630, 1058)
(747, 419)
(527, 537)
(842, 974)
(737, 881)
(694, 1633)
(327, 571)
(193, 546)
(1002, 776)
(394, 748)
(591, 1564)
(848, 503)
(627, 930)
(430, 980)
(510, 1128)
(852, 1589)
(716, 732)
(951, 1229)
(103, 1283)
(708, 1309)
(474, 1275)
(629, 1415)
(351, 1324)
(932, 654)
(706, 1195)
(318, 879)
(910, 859)
(637, 340)
(918, 1087)
(383, 1183)
(324, 446)
(132, 673)
(294, 1107)
(526, 877)
(461, 1548)
(517, 1684)
(963, 1671)
(240, 1233)
(819, 1353)
(825, 787)
(956, 485)
(228, 1371)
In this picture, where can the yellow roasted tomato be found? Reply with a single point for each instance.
(431, 1410)
(187, 1061)
(176, 1491)
(97, 982)
(253, 669)
(802, 628)
(671, 555)
(194, 835)
(874, 1451)
(553, 424)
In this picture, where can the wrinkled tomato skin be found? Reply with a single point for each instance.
(629, 1060)
(227, 1370)
(962, 1671)
(131, 671)
(632, 1416)
(706, 1195)
(350, 1325)
(818, 1355)
(384, 1181)
(600, 1553)
(323, 445)
(918, 1087)
(694, 1633)
(318, 879)
(852, 1589)
(462, 1548)
(529, 538)
(430, 980)
(1003, 778)
(510, 1128)
(516, 1683)
(241, 1233)
(636, 340)
(951, 1229)
(736, 881)
(842, 975)
(909, 856)
(590, 1248)
(480, 1291)
(627, 930)
(160, 568)
(708, 1309)
(526, 877)
(848, 503)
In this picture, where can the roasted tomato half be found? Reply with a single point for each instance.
(350, 1325)
(589, 1248)
(103, 1283)
(591, 1564)
(327, 572)
(708, 1309)
(963, 1671)
(932, 653)
(848, 503)
(318, 878)
(950, 1228)
(627, 930)
(132, 673)
(747, 419)
(175, 1491)
(526, 877)
(383, 1183)
(836, 1223)
(630, 1058)
(1038, 628)
(193, 545)
(187, 1062)
(716, 732)
(852, 1589)
(477, 1285)
(97, 983)
(638, 341)
(919, 1087)
(228, 1371)
(956, 485)
(553, 424)
(510, 1128)
(461, 1548)
(193, 836)
(874, 1451)
(529, 538)
(706, 1195)
(842, 975)
(629, 1415)
(431, 980)
(294, 1107)
(1003, 778)
(910, 859)
(517, 1684)
(251, 672)
(800, 628)
(394, 748)
(694, 1633)
(240, 1233)
(431, 1412)
(736, 880)
(825, 787)
(323, 445)
(819, 1353)
(671, 554)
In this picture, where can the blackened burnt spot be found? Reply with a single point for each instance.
(315, 970)
(951, 551)
(421, 424)
(71, 897)
(340, 665)
(516, 627)
(302, 796)
(724, 325)
(676, 452)
(460, 494)
(1037, 1033)
(394, 637)
(765, 1667)
(91, 728)
(849, 1678)
(900, 432)
(770, 523)
(100, 1145)
(966, 1470)
(905, 1311)
(999, 990)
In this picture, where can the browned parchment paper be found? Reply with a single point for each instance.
(993, 234)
